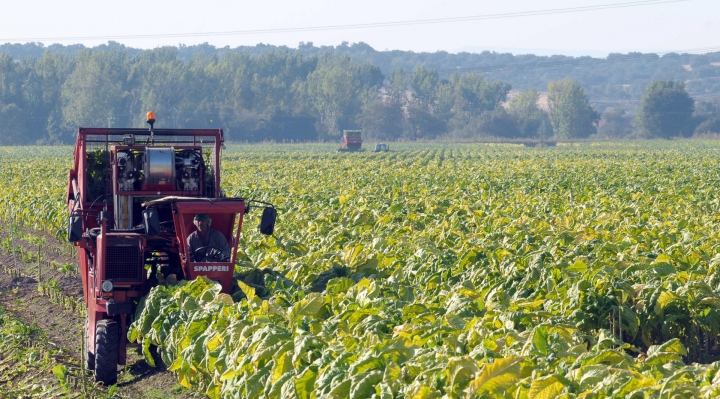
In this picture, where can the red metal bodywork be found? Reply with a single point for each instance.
(227, 217)
(352, 140)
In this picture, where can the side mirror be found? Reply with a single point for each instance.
(75, 230)
(152, 222)
(267, 223)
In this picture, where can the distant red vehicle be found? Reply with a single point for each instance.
(352, 141)
(132, 196)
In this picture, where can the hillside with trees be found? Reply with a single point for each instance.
(269, 93)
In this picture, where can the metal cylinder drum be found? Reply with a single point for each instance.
(160, 166)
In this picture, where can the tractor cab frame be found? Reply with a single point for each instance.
(227, 217)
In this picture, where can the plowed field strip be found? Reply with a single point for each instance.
(19, 296)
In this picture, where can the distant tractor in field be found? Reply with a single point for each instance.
(352, 141)
(381, 147)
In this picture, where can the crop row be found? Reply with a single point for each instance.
(471, 271)
(456, 270)
(33, 367)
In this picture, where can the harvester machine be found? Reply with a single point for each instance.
(134, 197)
(352, 141)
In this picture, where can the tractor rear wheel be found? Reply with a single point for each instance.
(89, 356)
(107, 337)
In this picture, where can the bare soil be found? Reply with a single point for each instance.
(19, 295)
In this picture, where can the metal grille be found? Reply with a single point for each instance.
(123, 261)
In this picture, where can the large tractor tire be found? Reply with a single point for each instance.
(106, 351)
(89, 356)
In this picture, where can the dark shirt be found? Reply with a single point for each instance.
(213, 238)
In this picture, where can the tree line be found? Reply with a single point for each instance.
(618, 79)
(286, 95)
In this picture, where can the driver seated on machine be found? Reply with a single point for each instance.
(207, 244)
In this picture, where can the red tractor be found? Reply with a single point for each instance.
(352, 141)
(134, 196)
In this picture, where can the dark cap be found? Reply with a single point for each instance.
(202, 216)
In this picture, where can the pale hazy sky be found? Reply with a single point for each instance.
(659, 27)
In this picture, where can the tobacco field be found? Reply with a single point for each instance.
(443, 271)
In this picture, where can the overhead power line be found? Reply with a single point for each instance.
(358, 26)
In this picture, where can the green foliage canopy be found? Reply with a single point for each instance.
(665, 110)
(531, 120)
(571, 114)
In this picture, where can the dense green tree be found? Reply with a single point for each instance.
(382, 120)
(398, 85)
(423, 120)
(709, 126)
(158, 84)
(11, 80)
(531, 120)
(665, 110)
(490, 123)
(423, 124)
(467, 96)
(615, 123)
(338, 88)
(706, 116)
(95, 90)
(281, 126)
(14, 121)
(30, 91)
(424, 84)
(51, 70)
(571, 114)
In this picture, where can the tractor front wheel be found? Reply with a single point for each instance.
(106, 351)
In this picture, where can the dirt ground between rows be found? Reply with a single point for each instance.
(63, 328)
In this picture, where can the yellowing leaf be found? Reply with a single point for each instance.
(224, 298)
(305, 383)
(634, 384)
(548, 387)
(531, 305)
(184, 380)
(579, 266)
(213, 392)
(497, 376)
(673, 346)
(461, 370)
(608, 357)
(283, 364)
(214, 342)
(311, 304)
(663, 258)
(665, 298)
(425, 392)
(246, 289)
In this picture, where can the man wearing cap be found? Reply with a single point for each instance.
(207, 237)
